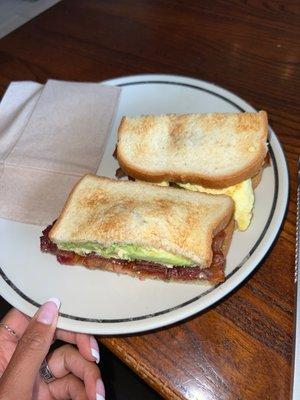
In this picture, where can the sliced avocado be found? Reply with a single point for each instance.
(127, 252)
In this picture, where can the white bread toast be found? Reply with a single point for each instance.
(214, 150)
(122, 212)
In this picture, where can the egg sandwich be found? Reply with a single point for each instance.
(143, 230)
(213, 153)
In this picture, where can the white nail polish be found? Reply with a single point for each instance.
(47, 313)
(95, 349)
(56, 301)
(100, 390)
(96, 355)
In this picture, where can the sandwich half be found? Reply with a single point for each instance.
(143, 230)
(213, 153)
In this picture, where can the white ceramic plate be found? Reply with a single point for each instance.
(104, 303)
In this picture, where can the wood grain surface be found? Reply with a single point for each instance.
(242, 347)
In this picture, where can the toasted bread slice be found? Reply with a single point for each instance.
(213, 150)
(257, 178)
(112, 212)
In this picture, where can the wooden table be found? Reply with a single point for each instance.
(242, 347)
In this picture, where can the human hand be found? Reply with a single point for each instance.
(77, 376)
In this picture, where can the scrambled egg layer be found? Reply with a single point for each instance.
(163, 183)
(242, 195)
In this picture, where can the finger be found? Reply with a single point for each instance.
(12, 321)
(68, 387)
(16, 321)
(32, 348)
(41, 390)
(67, 359)
(87, 344)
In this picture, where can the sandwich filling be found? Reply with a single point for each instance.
(242, 194)
(128, 252)
(143, 269)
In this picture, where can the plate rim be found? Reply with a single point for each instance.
(169, 316)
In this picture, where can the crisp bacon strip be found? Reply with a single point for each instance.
(120, 173)
(142, 269)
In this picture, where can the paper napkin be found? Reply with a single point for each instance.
(50, 136)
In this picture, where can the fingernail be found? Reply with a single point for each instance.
(95, 349)
(48, 311)
(100, 391)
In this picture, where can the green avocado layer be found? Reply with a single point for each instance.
(127, 252)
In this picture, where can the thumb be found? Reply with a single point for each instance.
(32, 348)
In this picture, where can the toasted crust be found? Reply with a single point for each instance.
(257, 178)
(213, 150)
(228, 236)
(108, 212)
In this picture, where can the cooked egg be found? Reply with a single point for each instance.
(242, 195)
(162, 183)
